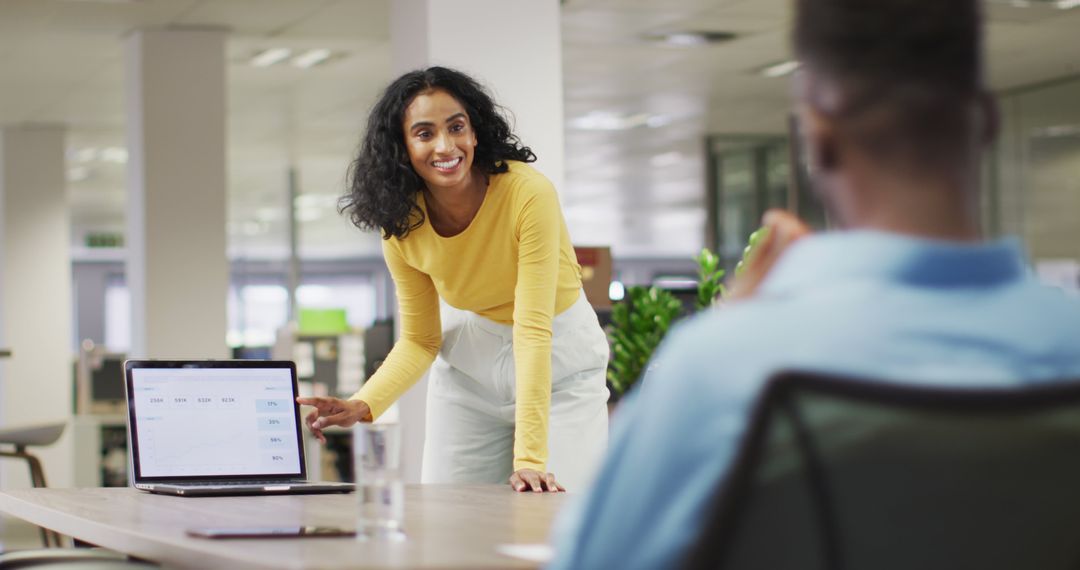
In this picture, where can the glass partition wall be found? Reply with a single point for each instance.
(1030, 179)
(1033, 178)
(749, 174)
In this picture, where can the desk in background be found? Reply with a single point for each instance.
(448, 526)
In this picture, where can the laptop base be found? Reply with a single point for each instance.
(239, 490)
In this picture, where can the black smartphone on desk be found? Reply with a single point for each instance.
(270, 532)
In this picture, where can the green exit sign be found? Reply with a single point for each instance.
(104, 239)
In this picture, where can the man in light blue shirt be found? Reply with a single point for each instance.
(894, 115)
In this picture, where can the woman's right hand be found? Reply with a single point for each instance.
(333, 412)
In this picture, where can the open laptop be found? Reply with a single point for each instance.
(232, 427)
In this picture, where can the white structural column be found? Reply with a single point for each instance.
(514, 48)
(177, 270)
(35, 286)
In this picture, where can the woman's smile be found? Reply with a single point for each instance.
(440, 141)
(448, 165)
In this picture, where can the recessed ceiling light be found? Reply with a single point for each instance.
(666, 159)
(311, 58)
(254, 228)
(315, 200)
(268, 57)
(114, 154)
(269, 214)
(780, 69)
(1056, 131)
(609, 121)
(655, 121)
(78, 173)
(689, 38)
(88, 154)
(1059, 4)
(309, 214)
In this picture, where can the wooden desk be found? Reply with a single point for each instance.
(448, 526)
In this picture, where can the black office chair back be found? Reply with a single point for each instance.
(847, 474)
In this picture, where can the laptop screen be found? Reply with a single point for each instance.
(213, 419)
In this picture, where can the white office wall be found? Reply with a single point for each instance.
(177, 270)
(513, 47)
(35, 294)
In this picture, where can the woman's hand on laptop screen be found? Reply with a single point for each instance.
(333, 412)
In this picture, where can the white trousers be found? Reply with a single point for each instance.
(471, 393)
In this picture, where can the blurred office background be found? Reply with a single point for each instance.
(675, 136)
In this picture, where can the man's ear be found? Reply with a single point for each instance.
(819, 137)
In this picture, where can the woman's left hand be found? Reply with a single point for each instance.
(530, 479)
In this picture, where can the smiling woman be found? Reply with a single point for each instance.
(441, 141)
(383, 180)
(489, 292)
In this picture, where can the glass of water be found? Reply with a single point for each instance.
(379, 489)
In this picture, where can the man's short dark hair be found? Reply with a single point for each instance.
(916, 61)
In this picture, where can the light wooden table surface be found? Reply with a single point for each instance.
(447, 526)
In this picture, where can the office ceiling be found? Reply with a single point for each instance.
(639, 190)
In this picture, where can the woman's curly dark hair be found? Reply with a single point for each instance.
(382, 184)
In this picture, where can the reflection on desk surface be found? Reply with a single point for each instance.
(459, 526)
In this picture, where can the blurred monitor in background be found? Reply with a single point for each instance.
(683, 287)
(99, 380)
(107, 379)
(378, 340)
(251, 352)
(316, 359)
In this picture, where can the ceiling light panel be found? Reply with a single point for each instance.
(311, 58)
(303, 59)
(268, 57)
(609, 121)
(690, 38)
(780, 69)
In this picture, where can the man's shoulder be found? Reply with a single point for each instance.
(733, 325)
(734, 342)
(1055, 304)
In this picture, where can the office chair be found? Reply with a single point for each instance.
(22, 437)
(847, 474)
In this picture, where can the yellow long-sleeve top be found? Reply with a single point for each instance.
(514, 264)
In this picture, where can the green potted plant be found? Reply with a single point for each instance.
(638, 324)
(710, 279)
(641, 320)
